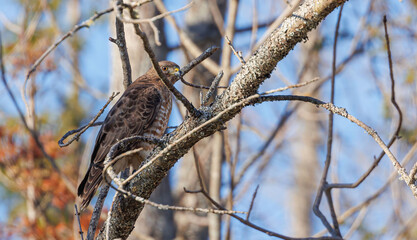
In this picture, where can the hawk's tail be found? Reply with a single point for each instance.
(89, 185)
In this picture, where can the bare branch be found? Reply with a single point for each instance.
(335, 231)
(342, 112)
(197, 86)
(207, 53)
(95, 217)
(251, 203)
(174, 208)
(237, 54)
(79, 222)
(357, 223)
(396, 133)
(121, 44)
(200, 58)
(342, 218)
(108, 171)
(82, 129)
(213, 88)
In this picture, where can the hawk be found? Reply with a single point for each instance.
(142, 110)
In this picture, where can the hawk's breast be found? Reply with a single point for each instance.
(157, 128)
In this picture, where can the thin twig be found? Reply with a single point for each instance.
(79, 222)
(342, 112)
(200, 58)
(151, 21)
(121, 44)
(175, 208)
(213, 87)
(391, 71)
(251, 203)
(199, 171)
(298, 85)
(342, 218)
(198, 86)
(69, 133)
(396, 133)
(81, 130)
(85, 24)
(237, 54)
(335, 231)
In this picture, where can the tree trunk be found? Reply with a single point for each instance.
(201, 28)
(305, 144)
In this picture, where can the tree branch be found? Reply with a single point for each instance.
(335, 231)
(82, 129)
(85, 24)
(245, 84)
(121, 44)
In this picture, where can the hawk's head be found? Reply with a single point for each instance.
(171, 70)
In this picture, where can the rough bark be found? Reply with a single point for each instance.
(257, 69)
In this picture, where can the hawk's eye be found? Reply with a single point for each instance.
(164, 68)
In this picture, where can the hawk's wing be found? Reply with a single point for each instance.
(131, 115)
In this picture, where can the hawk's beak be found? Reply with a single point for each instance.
(177, 72)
